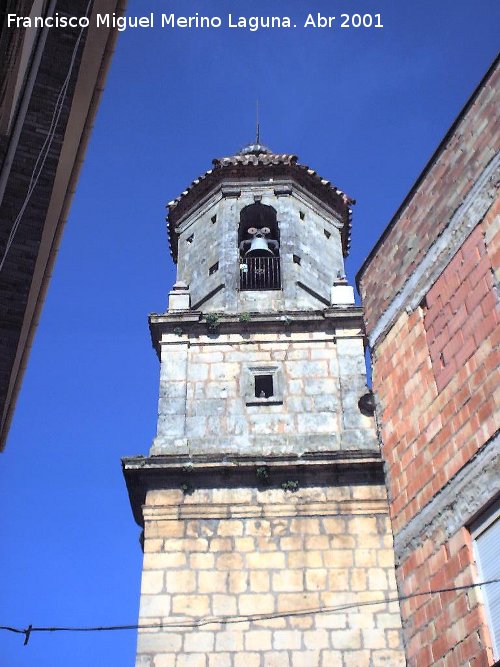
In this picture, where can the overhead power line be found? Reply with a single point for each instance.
(243, 618)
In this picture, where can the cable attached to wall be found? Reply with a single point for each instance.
(226, 620)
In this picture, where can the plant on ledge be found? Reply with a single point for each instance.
(262, 474)
(291, 485)
(212, 320)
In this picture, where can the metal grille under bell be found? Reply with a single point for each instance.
(260, 273)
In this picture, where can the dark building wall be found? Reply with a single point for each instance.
(44, 127)
(430, 296)
(21, 258)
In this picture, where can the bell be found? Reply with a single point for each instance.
(258, 247)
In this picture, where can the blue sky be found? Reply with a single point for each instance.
(365, 108)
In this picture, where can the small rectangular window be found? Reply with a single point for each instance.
(190, 239)
(302, 215)
(213, 268)
(264, 386)
(326, 233)
(296, 259)
(213, 219)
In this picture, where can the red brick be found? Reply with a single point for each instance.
(459, 608)
(439, 580)
(466, 351)
(451, 348)
(469, 264)
(470, 246)
(458, 320)
(474, 402)
(423, 656)
(442, 319)
(432, 299)
(439, 648)
(473, 299)
(473, 620)
(446, 374)
(435, 381)
(420, 618)
(485, 411)
(470, 648)
(456, 542)
(489, 303)
(482, 660)
(478, 272)
(454, 265)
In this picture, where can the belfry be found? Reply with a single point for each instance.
(267, 539)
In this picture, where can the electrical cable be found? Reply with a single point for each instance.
(226, 620)
(47, 144)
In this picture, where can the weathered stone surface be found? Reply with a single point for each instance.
(274, 377)
(202, 244)
(281, 564)
(204, 395)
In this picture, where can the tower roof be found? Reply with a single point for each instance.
(255, 149)
(258, 160)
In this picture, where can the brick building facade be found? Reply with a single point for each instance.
(430, 298)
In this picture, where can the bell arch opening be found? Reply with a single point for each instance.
(259, 217)
(258, 248)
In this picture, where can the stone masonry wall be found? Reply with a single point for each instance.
(240, 552)
(207, 403)
(208, 239)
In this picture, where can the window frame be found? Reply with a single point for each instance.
(481, 524)
(250, 372)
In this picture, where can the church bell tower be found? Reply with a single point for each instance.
(262, 499)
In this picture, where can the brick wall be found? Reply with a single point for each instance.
(430, 292)
(240, 552)
(434, 416)
(436, 196)
(434, 420)
(438, 407)
(449, 628)
(460, 310)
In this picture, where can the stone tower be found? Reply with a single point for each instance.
(263, 500)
